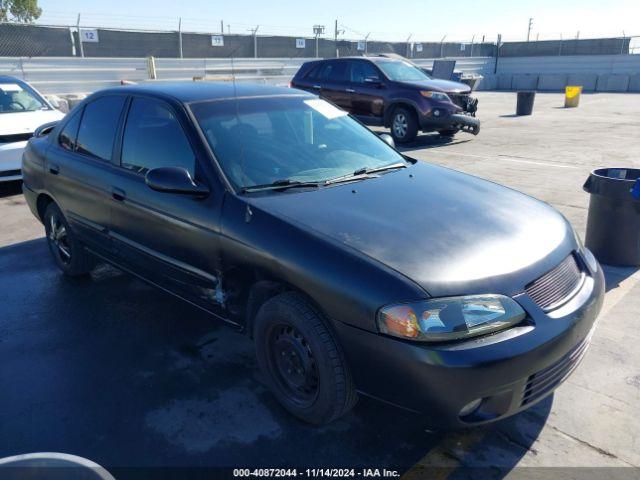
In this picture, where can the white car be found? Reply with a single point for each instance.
(22, 110)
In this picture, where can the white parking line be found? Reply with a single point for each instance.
(503, 157)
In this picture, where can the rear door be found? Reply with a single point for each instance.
(366, 89)
(79, 168)
(330, 81)
(169, 239)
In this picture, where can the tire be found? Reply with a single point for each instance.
(68, 253)
(404, 125)
(448, 132)
(303, 364)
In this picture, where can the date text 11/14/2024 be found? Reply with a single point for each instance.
(317, 472)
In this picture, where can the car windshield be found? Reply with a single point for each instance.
(15, 98)
(399, 71)
(287, 139)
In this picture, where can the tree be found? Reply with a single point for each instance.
(19, 10)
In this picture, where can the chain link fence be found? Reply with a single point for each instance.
(20, 40)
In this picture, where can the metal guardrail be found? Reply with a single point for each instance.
(71, 75)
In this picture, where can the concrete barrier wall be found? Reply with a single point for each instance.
(64, 75)
(602, 73)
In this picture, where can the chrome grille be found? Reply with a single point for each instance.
(545, 381)
(460, 99)
(556, 286)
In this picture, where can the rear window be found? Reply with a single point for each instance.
(67, 138)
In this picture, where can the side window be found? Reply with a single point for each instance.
(154, 138)
(331, 71)
(361, 72)
(98, 127)
(338, 71)
(67, 137)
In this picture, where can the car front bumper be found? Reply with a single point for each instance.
(11, 160)
(448, 120)
(509, 371)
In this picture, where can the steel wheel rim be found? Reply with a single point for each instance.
(59, 239)
(293, 365)
(400, 125)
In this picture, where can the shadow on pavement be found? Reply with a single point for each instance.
(430, 141)
(614, 276)
(119, 372)
(8, 189)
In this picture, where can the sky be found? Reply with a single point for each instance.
(425, 20)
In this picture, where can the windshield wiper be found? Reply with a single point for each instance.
(364, 173)
(366, 170)
(282, 184)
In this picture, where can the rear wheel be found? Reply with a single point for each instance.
(404, 125)
(304, 365)
(68, 253)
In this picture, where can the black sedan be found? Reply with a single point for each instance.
(355, 269)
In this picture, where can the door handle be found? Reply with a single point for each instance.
(118, 194)
(350, 90)
(317, 87)
(54, 169)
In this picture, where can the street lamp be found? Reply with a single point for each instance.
(317, 31)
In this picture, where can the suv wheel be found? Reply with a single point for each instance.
(304, 365)
(404, 125)
(68, 253)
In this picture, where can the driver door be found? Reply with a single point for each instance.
(169, 239)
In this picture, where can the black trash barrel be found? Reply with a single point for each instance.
(613, 225)
(525, 103)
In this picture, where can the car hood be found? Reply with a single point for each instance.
(441, 85)
(448, 232)
(26, 122)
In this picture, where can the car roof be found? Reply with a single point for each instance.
(376, 59)
(9, 78)
(196, 91)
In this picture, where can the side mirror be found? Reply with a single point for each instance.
(45, 129)
(174, 180)
(388, 139)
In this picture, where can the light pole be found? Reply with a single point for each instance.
(254, 32)
(317, 31)
(529, 29)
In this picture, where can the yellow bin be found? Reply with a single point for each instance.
(572, 96)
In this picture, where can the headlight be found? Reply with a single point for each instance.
(451, 318)
(443, 97)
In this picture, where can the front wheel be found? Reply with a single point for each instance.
(304, 365)
(404, 125)
(68, 253)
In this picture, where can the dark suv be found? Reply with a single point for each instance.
(393, 93)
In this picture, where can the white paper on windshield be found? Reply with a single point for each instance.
(10, 87)
(325, 108)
